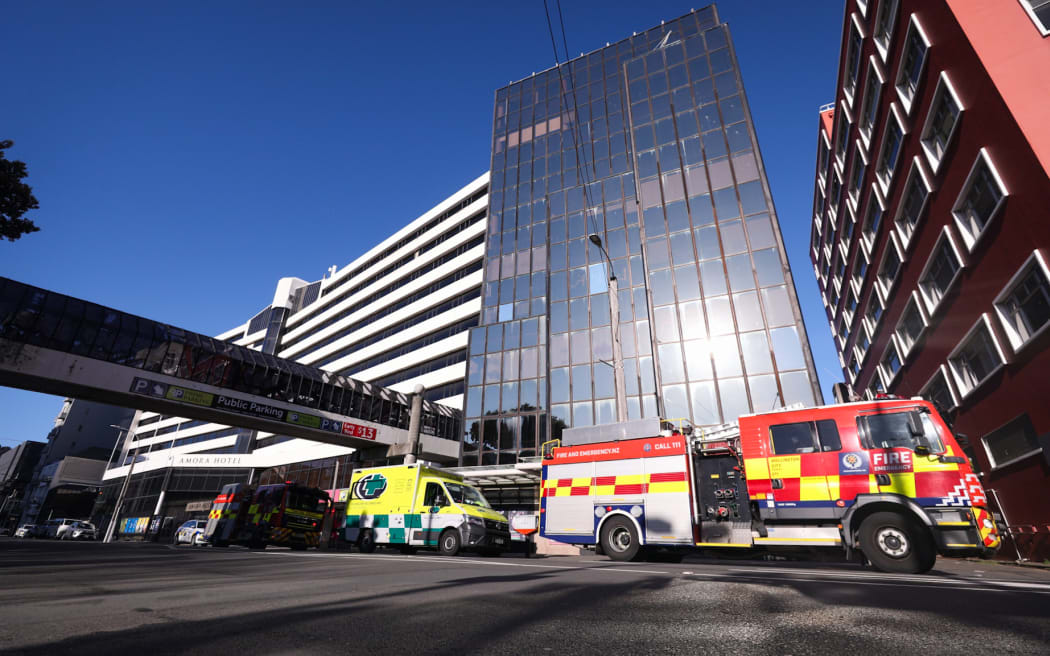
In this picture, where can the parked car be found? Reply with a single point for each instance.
(57, 527)
(26, 531)
(80, 531)
(191, 532)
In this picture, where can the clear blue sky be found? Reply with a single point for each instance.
(187, 155)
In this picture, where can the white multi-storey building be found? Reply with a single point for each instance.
(398, 316)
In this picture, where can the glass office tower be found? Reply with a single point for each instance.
(648, 144)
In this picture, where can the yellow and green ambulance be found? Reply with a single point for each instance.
(419, 505)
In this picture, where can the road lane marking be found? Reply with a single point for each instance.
(745, 574)
(881, 576)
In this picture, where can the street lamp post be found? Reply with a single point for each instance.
(120, 497)
(614, 310)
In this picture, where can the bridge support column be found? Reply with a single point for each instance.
(414, 421)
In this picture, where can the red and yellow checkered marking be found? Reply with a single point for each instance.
(989, 536)
(617, 485)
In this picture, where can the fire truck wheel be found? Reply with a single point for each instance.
(620, 539)
(366, 543)
(894, 543)
(448, 543)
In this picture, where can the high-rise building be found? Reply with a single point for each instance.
(396, 316)
(930, 237)
(648, 146)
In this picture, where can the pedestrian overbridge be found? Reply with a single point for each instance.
(57, 344)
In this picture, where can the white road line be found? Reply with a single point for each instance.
(880, 576)
(748, 574)
(980, 588)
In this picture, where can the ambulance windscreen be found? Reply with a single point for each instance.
(466, 494)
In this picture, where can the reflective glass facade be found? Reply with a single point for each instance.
(647, 143)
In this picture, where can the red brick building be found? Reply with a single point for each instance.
(931, 228)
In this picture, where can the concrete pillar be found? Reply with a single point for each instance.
(415, 421)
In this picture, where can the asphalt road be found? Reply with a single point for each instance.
(58, 597)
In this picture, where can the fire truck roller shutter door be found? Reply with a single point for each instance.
(569, 513)
(668, 516)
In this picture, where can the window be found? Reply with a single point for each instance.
(941, 122)
(828, 435)
(874, 313)
(823, 152)
(888, 430)
(912, 62)
(833, 298)
(982, 196)
(872, 219)
(840, 269)
(841, 132)
(913, 202)
(869, 108)
(852, 63)
(1012, 442)
(876, 387)
(434, 496)
(856, 178)
(891, 362)
(863, 340)
(910, 326)
(938, 391)
(940, 272)
(976, 358)
(1039, 12)
(1024, 305)
(891, 149)
(848, 223)
(854, 367)
(793, 438)
(805, 437)
(835, 196)
(884, 23)
(891, 266)
(850, 307)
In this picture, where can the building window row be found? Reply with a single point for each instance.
(430, 225)
(400, 282)
(1023, 309)
(387, 310)
(391, 331)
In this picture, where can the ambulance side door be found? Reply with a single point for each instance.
(433, 519)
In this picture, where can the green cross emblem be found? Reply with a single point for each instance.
(371, 486)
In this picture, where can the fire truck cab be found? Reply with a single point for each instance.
(886, 478)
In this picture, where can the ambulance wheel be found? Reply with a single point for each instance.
(448, 543)
(620, 539)
(894, 543)
(366, 543)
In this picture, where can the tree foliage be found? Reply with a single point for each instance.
(16, 197)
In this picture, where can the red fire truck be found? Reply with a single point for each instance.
(283, 514)
(885, 478)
